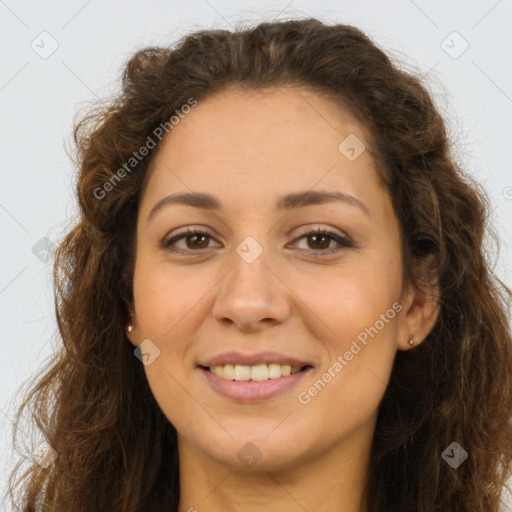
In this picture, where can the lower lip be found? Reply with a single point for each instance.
(253, 391)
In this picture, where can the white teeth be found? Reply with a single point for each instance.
(242, 372)
(259, 372)
(256, 373)
(274, 371)
(228, 372)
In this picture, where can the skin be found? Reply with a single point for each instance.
(248, 149)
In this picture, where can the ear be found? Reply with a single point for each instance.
(133, 335)
(418, 316)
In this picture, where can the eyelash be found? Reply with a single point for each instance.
(345, 243)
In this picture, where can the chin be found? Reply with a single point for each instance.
(256, 447)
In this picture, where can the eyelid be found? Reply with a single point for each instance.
(343, 240)
(188, 230)
(307, 230)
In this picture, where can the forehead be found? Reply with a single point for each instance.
(255, 143)
(238, 123)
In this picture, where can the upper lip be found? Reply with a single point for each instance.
(237, 358)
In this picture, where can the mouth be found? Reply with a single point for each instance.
(254, 373)
(250, 384)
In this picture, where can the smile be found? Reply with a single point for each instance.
(257, 372)
(256, 383)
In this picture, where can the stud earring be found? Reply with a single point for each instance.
(129, 328)
(412, 342)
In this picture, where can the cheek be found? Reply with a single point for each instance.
(165, 297)
(168, 306)
(345, 393)
(359, 307)
(346, 300)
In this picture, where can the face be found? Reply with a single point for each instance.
(305, 299)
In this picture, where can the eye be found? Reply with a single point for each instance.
(198, 236)
(321, 239)
(197, 239)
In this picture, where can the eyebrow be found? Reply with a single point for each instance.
(291, 201)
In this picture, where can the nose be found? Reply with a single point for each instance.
(252, 295)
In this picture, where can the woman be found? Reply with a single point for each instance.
(276, 294)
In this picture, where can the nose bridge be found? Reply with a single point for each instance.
(251, 292)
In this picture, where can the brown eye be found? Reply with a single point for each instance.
(318, 242)
(195, 239)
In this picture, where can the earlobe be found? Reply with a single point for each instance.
(130, 327)
(129, 332)
(130, 322)
(419, 317)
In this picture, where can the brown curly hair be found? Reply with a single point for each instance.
(116, 449)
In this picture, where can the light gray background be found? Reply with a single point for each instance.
(40, 93)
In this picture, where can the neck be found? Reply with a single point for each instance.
(332, 481)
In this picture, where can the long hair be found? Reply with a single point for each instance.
(116, 450)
